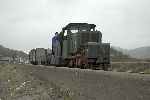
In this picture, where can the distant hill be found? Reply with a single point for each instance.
(115, 53)
(140, 53)
(6, 52)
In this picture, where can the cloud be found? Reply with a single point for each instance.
(124, 23)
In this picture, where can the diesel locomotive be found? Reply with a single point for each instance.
(78, 45)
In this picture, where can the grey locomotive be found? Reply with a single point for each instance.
(79, 45)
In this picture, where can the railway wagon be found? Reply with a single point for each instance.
(40, 56)
(32, 56)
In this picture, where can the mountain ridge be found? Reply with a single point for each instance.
(140, 52)
(7, 52)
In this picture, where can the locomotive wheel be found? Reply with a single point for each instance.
(72, 63)
(83, 66)
(105, 67)
(90, 66)
(66, 62)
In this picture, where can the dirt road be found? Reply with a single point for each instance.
(51, 83)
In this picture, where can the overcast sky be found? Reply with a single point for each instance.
(27, 24)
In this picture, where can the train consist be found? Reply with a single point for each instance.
(78, 45)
